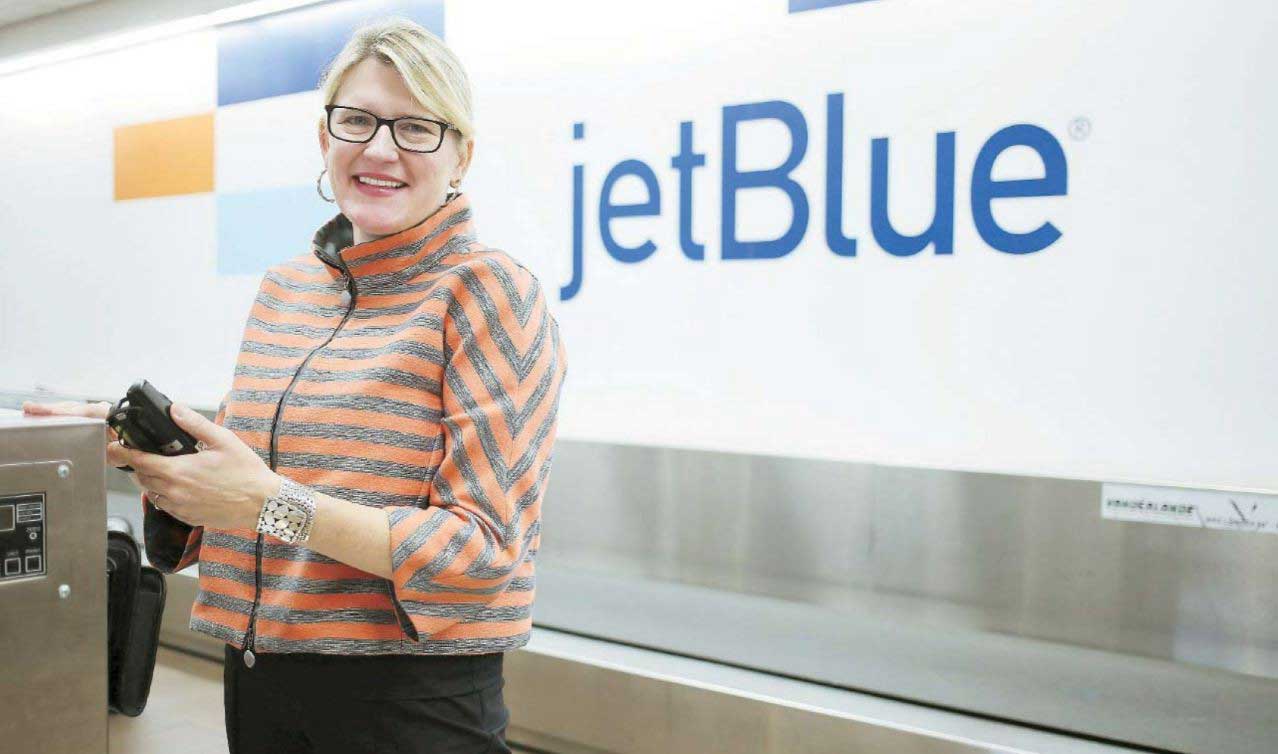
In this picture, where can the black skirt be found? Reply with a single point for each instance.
(408, 704)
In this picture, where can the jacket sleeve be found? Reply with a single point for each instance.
(171, 545)
(503, 368)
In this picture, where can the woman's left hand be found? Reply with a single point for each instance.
(223, 486)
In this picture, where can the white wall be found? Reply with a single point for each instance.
(1139, 346)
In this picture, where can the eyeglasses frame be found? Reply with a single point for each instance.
(390, 124)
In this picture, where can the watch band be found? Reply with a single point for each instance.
(290, 514)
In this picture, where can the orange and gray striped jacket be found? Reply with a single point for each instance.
(419, 373)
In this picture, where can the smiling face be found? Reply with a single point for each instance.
(381, 188)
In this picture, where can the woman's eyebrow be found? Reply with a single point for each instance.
(401, 114)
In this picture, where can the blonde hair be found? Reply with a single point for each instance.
(430, 70)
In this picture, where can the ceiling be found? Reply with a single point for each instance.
(13, 11)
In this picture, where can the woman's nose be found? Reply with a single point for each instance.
(382, 144)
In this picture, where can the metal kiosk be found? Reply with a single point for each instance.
(53, 590)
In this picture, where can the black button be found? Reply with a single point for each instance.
(12, 566)
(34, 563)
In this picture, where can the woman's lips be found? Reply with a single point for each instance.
(370, 190)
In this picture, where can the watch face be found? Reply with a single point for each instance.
(289, 514)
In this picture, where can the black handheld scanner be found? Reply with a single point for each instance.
(141, 419)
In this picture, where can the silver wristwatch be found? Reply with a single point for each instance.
(289, 514)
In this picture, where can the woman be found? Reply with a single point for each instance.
(367, 503)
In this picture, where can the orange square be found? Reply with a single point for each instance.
(164, 158)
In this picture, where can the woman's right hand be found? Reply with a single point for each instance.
(98, 410)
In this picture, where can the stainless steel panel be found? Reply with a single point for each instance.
(53, 695)
(969, 566)
(573, 695)
(566, 706)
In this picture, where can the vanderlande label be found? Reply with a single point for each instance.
(1203, 509)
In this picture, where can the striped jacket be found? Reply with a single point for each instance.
(420, 373)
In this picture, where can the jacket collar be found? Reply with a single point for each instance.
(400, 255)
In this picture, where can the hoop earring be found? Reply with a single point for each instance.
(319, 189)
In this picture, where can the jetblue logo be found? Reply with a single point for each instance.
(939, 235)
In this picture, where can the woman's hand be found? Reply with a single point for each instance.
(223, 486)
(71, 408)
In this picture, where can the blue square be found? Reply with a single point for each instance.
(285, 53)
(798, 6)
(258, 229)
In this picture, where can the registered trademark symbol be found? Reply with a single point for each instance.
(1080, 129)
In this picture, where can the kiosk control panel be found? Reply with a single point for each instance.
(22, 533)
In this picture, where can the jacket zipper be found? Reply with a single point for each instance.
(250, 633)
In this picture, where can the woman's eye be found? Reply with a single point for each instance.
(417, 129)
(357, 120)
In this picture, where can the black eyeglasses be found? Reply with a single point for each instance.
(412, 134)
